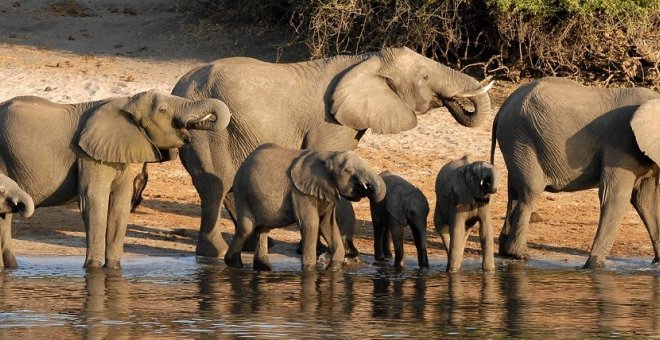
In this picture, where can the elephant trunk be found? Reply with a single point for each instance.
(452, 85)
(419, 236)
(375, 186)
(204, 114)
(21, 203)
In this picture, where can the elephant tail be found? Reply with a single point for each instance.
(493, 139)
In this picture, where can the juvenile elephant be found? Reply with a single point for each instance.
(324, 104)
(276, 187)
(60, 152)
(404, 204)
(462, 191)
(557, 135)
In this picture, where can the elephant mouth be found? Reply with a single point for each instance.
(204, 121)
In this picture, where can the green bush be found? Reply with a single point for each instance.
(596, 40)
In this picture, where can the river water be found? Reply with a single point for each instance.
(52, 297)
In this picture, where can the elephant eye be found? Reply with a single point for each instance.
(347, 170)
(162, 110)
(425, 77)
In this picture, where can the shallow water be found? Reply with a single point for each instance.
(183, 297)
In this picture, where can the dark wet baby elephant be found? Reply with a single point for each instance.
(277, 187)
(404, 205)
(62, 152)
(463, 190)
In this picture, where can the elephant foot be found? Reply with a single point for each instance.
(262, 264)
(515, 252)
(656, 261)
(335, 266)
(93, 264)
(351, 250)
(234, 261)
(594, 263)
(9, 260)
(112, 264)
(252, 241)
(423, 260)
(211, 249)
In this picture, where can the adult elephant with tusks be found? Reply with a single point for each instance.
(62, 152)
(325, 104)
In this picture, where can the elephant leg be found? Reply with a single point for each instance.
(118, 213)
(442, 228)
(8, 259)
(645, 200)
(419, 235)
(94, 197)
(345, 216)
(212, 191)
(614, 191)
(308, 219)
(458, 233)
(330, 231)
(261, 260)
(512, 201)
(397, 239)
(244, 229)
(486, 240)
(380, 229)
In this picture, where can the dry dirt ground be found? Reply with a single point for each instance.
(70, 51)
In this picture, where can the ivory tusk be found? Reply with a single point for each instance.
(476, 92)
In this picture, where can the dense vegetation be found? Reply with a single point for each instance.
(596, 40)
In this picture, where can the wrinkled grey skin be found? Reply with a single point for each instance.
(404, 205)
(12, 200)
(62, 152)
(276, 187)
(325, 104)
(463, 190)
(559, 136)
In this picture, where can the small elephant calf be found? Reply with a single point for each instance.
(404, 204)
(277, 187)
(463, 190)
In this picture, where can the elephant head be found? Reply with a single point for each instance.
(329, 175)
(13, 199)
(137, 128)
(388, 89)
(476, 182)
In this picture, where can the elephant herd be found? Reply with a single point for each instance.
(272, 143)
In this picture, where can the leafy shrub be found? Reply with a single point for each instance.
(596, 40)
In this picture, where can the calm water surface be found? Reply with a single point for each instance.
(182, 297)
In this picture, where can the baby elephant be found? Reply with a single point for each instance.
(403, 205)
(463, 190)
(276, 187)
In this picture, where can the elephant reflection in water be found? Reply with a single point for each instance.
(108, 297)
(390, 295)
(329, 294)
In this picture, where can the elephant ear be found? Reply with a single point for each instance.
(365, 98)
(311, 176)
(460, 190)
(645, 125)
(111, 134)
